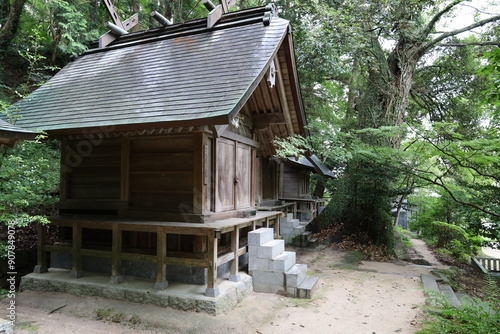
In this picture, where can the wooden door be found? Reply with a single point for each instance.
(225, 198)
(243, 176)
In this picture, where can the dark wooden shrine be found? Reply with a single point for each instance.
(165, 138)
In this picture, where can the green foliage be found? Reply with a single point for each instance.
(480, 317)
(451, 240)
(293, 146)
(492, 71)
(29, 177)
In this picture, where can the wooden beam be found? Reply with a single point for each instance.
(125, 171)
(212, 290)
(116, 248)
(235, 246)
(240, 139)
(262, 121)
(114, 16)
(198, 172)
(227, 4)
(214, 16)
(161, 253)
(284, 101)
(76, 266)
(41, 266)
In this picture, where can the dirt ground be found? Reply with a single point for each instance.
(353, 297)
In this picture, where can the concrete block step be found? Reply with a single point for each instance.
(304, 238)
(262, 278)
(295, 275)
(450, 295)
(271, 249)
(308, 287)
(289, 216)
(260, 236)
(298, 230)
(283, 262)
(290, 223)
(313, 242)
(430, 283)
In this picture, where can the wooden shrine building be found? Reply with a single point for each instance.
(164, 137)
(11, 134)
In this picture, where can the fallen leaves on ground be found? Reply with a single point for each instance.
(360, 242)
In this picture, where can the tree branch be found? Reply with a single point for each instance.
(442, 185)
(438, 16)
(434, 42)
(470, 44)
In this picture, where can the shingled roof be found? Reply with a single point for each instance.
(183, 74)
(10, 134)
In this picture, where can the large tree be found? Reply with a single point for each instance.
(371, 50)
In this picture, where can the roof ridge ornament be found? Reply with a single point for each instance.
(217, 11)
(271, 11)
(117, 28)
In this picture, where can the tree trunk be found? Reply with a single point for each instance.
(9, 28)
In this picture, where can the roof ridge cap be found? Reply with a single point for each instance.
(228, 20)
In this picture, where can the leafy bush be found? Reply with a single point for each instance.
(29, 177)
(451, 240)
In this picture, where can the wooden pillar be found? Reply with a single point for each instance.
(161, 282)
(76, 268)
(212, 290)
(234, 276)
(41, 266)
(116, 248)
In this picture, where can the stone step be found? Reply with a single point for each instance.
(295, 275)
(304, 238)
(289, 216)
(292, 230)
(283, 262)
(299, 230)
(313, 242)
(450, 295)
(260, 236)
(290, 223)
(430, 283)
(269, 282)
(308, 287)
(269, 250)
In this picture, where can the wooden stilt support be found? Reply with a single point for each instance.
(212, 290)
(161, 253)
(116, 266)
(234, 276)
(41, 266)
(76, 268)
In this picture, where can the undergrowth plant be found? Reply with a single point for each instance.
(478, 317)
